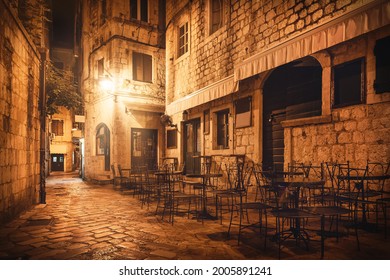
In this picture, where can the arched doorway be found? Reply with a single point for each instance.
(103, 144)
(292, 91)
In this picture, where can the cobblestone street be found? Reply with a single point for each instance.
(86, 221)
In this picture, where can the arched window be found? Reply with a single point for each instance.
(103, 144)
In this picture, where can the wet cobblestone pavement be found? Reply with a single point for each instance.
(86, 221)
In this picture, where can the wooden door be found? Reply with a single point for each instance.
(57, 162)
(144, 148)
(192, 146)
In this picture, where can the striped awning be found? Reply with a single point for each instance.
(367, 18)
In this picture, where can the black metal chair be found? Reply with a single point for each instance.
(116, 180)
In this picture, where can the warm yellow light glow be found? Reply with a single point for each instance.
(106, 83)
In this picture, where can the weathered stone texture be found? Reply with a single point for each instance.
(353, 138)
(249, 27)
(19, 118)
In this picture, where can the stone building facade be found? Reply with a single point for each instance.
(123, 84)
(64, 131)
(279, 81)
(20, 88)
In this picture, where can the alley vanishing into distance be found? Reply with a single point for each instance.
(86, 221)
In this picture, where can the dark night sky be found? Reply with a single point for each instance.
(63, 20)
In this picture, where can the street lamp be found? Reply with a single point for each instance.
(106, 83)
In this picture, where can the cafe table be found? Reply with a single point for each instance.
(294, 185)
(205, 178)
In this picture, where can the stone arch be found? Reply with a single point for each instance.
(290, 91)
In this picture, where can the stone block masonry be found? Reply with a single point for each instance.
(19, 117)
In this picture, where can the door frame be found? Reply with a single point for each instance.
(195, 165)
(51, 162)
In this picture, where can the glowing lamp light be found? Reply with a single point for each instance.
(106, 83)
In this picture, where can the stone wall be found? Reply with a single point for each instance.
(19, 123)
(357, 134)
(131, 103)
(248, 27)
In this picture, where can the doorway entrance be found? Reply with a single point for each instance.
(192, 146)
(57, 162)
(143, 148)
(292, 91)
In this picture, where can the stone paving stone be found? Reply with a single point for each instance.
(61, 239)
(101, 223)
(76, 246)
(58, 235)
(71, 253)
(48, 254)
(118, 235)
(39, 231)
(82, 239)
(101, 245)
(163, 254)
(32, 241)
(103, 239)
(103, 234)
(128, 245)
(40, 244)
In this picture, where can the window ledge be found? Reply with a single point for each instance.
(307, 121)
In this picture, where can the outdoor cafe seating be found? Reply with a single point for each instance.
(303, 205)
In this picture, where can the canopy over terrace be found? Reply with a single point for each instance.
(367, 18)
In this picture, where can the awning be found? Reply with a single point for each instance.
(146, 104)
(360, 21)
(214, 91)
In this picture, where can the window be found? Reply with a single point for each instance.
(216, 14)
(102, 135)
(348, 83)
(172, 139)
(139, 10)
(223, 129)
(57, 127)
(101, 67)
(183, 39)
(142, 67)
(382, 61)
(206, 121)
(103, 15)
(243, 112)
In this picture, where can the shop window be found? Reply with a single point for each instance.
(57, 127)
(382, 62)
(348, 83)
(183, 39)
(243, 112)
(222, 129)
(172, 139)
(139, 10)
(142, 67)
(216, 15)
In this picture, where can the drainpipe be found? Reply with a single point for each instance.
(42, 116)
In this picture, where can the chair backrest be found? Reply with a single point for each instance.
(351, 180)
(315, 171)
(120, 170)
(113, 170)
(377, 169)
